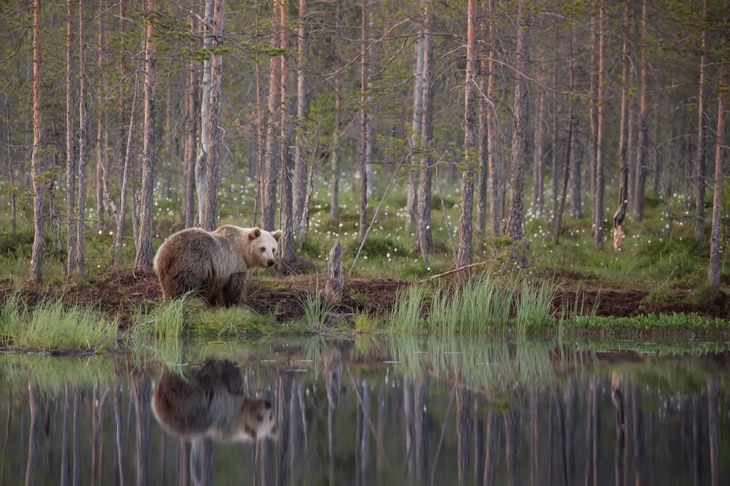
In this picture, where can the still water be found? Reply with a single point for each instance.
(420, 411)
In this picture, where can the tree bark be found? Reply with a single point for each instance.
(414, 140)
(286, 217)
(699, 164)
(125, 179)
(36, 259)
(483, 177)
(537, 158)
(70, 159)
(495, 174)
(190, 141)
(300, 162)
(366, 130)
(570, 155)
(210, 222)
(713, 274)
(425, 238)
(516, 213)
(642, 146)
(201, 163)
(464, 253)
(599, 186)
(620, 214)
(102, 137)
(334, 159)
(83, 153)
(143, 258)
(273, 130)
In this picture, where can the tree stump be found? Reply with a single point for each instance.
(332, 291)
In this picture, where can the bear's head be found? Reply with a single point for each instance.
(256, 420)
(262, 247)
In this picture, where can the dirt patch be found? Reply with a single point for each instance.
(121, 291)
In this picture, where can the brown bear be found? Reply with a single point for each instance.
(213, 264)
(209, 403)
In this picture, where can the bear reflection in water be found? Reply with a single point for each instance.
(209, 403)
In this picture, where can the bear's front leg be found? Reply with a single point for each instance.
(233, 289)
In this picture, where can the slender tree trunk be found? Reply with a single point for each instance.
(554, 156)
(642, 146)
(201, 163)
(286, 216)
(260, 128)
(516, 213)
(143, 258)
(210, 221)
(34, 432)
(570, 155)
(425, 239)
(537, 158)
(464, 253)
(273, 130)
(365, 119)
(334, 160)
(102, 139)
(699, 164)
(125, 179)
(300, 162)
(190, 141)
(83, 153)
(713, 275)
(415, 134)
(483, 178)
(599, 186)
(593, 96)
(11, 172)
(70, 159)
(142, 391)
(620, 214)
(495, 174)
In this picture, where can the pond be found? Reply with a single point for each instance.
(369, 411)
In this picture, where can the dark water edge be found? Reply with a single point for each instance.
(460, 410)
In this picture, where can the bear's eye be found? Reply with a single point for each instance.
(273, 251)
(263, 249)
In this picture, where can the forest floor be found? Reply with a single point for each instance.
(120, 292)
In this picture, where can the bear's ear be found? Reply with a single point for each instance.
(276, 234)
(254, 233)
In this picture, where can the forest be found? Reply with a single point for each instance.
(519, 129)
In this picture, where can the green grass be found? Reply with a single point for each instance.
(316, 309)
(366, 324)
(483, 303)
(165, 321)
(54, 326)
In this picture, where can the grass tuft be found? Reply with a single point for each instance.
(52, 326)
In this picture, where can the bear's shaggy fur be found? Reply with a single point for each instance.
(210, 403)
(213, 264)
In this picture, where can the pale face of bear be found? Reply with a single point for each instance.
(256, 420)
(263, 247)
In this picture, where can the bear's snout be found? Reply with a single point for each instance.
(270, 263)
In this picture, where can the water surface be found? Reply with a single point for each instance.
(410, 411)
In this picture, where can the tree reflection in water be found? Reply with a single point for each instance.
(460, 410)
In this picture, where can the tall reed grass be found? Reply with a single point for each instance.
(483, 303)
(55, 326)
